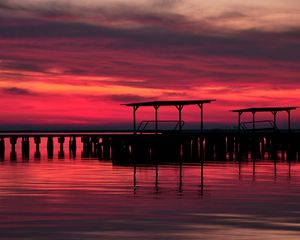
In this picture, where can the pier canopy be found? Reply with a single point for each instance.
(178, 104)
(273, 110)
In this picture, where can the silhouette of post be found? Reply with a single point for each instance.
(25, 148)
(50, 147)
(275, 119)
(200, 105)
(37, 141)
(135, 108)
(72, 147)
(72, 143)
(2, 148)
(156, 107)
(13, 141)
(289, 120)
(61, 141)
(179, 108)
(239, 119)
(253, 121)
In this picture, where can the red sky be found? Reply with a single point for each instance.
(74, 62)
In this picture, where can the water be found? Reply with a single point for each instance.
(84, 198)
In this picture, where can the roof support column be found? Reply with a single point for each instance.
(200, 105)
(239, 120)
(135, 108)
(156, 107)
(180, 107)
(253, 121)
(275, 119)
(289, 120)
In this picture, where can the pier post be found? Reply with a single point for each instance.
(94, 142)
(13, 141)
(200, 105)
(72, 147)
(72, 143)
(61, 141)
(179, 108)
(253, 121)
(275, 120)
(135, 108)
(2, 148)
(50, 147)
(61, 153)
(289, 120)
(37, 141)
(156, 107)
(25, 148)
(106, 148)
(87, 146)
(239, 120)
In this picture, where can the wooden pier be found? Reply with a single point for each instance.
(178, 145)
(126, 148)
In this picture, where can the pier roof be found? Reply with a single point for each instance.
(169, 103)
(265, 109)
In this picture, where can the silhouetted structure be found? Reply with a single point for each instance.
(178, 104)
(273, 110)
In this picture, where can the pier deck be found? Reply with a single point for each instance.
(189, 146)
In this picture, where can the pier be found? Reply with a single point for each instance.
(127, 148)
(142, 145)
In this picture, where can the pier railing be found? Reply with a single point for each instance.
(146, 123)
(265, 125)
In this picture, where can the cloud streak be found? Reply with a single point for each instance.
(120, 51)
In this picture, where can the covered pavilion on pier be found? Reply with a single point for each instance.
(178, 104)
(273, 110)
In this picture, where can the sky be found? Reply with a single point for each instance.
(72, 63)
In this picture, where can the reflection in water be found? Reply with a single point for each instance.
(13, 155)
(97, 199)
(156, 177)
(37, 155)
(61, 153)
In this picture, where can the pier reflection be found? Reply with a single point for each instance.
(155, 150)
(179, 153)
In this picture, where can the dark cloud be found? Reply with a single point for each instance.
(16, 91)
(247, 44)
(154, 13)
(21, 66)
(156, 53)
(120, 98)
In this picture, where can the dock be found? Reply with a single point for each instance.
(164, 146)
(142, 145)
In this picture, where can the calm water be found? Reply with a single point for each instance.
(83, 198)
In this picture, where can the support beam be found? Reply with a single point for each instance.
(289, 120)
(156, 107)
(201, 116)
(180, 107)
(135, 108)
(239, 120)
(253, 121)
(275, 119)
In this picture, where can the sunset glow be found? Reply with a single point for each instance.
(74, 62)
